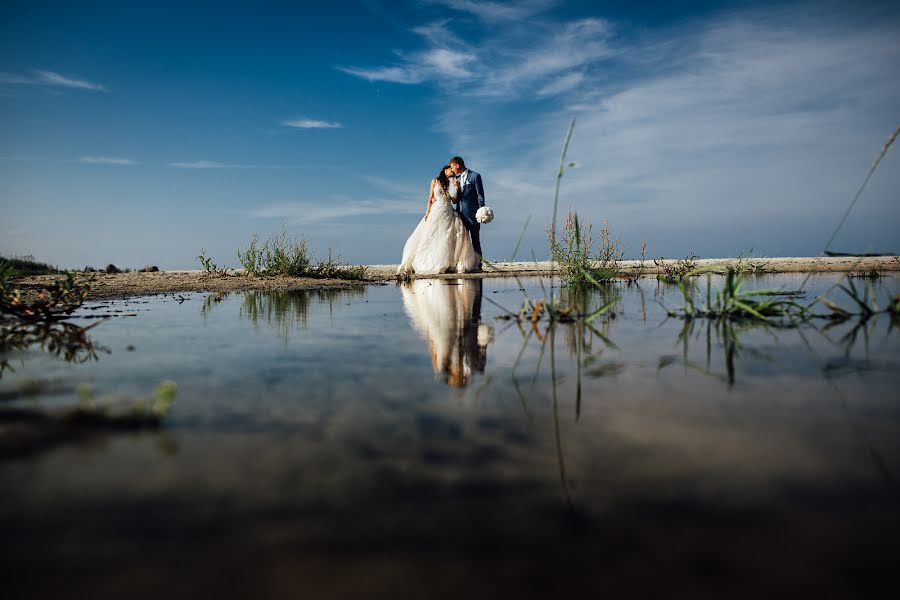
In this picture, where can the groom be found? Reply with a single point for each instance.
(471, 198)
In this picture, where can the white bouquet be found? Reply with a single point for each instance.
(484, 215)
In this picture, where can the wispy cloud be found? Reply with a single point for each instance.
(107, 160)
(212, 164)
(562, 84)
(514, 62)
(312, 124)
(199, 164)
(302, 213)
(498, 11)
(51, 79)
(401, 74)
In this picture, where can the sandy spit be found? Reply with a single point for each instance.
(122, 285)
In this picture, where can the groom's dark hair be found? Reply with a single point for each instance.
(458, 160)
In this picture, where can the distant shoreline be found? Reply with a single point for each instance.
(129, 285)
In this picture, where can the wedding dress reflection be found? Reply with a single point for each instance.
(448, 314)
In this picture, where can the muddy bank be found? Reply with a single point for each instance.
(120, 285)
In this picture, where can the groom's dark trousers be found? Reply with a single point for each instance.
(471, 198)
(474, 229)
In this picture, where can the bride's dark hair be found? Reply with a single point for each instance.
(442, 178)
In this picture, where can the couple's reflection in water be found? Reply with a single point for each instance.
(448, 315)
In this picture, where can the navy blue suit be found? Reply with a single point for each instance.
(471, 198)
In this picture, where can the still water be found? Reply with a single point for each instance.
(405, 442)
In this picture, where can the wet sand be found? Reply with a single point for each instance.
(121, 285)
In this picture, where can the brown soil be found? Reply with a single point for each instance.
(121, 285)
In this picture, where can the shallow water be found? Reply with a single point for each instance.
(405, 442)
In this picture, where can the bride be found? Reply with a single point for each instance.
(440, 242)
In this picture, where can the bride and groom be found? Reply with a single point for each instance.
(448, 239)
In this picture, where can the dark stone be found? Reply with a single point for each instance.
(111, 268)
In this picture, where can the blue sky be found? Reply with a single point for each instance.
(138, 133)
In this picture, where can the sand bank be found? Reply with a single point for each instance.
(122, 285)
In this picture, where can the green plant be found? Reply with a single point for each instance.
(42, 320)
(26, 265)
(677, 270)
(573, 249)
(334, 268)
(640, 270)
(252, 257)
(610, 251)
(746, 265)
(60, 299)
(207, 262)
(286, 256)
(7, 272)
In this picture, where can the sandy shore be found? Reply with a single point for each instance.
(122, 285)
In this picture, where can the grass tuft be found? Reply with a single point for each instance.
(574, 250)
(23, 266)
(678, 270)
(282, 255)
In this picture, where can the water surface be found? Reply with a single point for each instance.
(405, 442)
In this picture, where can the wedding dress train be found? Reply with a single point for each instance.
(441, 243)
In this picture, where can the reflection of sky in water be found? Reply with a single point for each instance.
(315, 435)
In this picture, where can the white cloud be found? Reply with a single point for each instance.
(446, 63)
(51, 79)
(199, 164)
(390, 74)
(499, 11)
(562, 84)
(514, 62)
(107, 160)
(211, 164)
(312, 124)
(302, 213)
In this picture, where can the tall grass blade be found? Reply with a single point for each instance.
(519, 241)
(559, 174)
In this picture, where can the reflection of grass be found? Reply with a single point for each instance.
(43, 321)
(579, 335)
(33, 430)
(874, 273)
(283, 310)
(727, 333)
(61, 339)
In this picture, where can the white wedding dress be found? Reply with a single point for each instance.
(440, 244)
